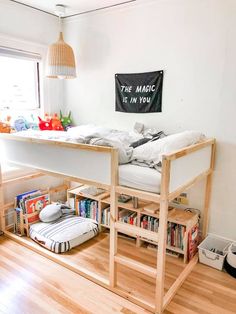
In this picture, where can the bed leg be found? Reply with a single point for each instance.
(162, 235)
(113, 239)
(113, 219)
(2, 211)
(208, 193)
(161, 256)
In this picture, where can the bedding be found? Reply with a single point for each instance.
(90, 134)
(144, 154)
(65, 233)
(150, 154)
(142, 178)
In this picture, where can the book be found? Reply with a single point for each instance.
(151, 208)
(92, 190)
(20, 196)
(36, 204)
(193, 241)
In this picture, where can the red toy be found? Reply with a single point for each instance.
(45, 125)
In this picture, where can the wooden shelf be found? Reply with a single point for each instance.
(175, 215)
(181, 217)
(105, 226)
(128, 205)
(168, 247)
(78, 191)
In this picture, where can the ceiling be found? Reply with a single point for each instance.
(73, 7)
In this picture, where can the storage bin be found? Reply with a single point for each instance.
(213, 258)
(230, 261)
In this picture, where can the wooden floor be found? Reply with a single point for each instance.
(30, 283)
(93, 257)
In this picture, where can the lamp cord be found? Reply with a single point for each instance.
(60, 24)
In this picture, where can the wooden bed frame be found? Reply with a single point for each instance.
(98, 166)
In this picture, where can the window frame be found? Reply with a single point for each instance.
(20, 54)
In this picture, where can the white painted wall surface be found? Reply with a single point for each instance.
(194, 42)
(31, 30)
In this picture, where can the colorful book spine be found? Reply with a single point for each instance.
(175, 232)
(88, 208)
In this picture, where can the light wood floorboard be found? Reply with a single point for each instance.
(30, 283)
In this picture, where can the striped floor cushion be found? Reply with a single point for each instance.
(65, 233)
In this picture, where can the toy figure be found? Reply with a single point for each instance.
(56, 123)
(66, 121)
(5, 127)
(45, 125)
(20, 124)
(32, 124)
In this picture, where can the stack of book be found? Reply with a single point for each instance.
(127, 216)
(87, 208)
(150, 223)
(106, 216)
(31, 202)
(175, 235)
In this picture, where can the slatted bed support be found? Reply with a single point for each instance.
(180, 171)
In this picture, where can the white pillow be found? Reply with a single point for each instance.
(50, 213)
(153, 151)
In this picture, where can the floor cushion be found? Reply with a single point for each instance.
(65, 233)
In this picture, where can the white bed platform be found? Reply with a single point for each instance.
(96, 165)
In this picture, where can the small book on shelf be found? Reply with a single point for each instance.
(151, 208)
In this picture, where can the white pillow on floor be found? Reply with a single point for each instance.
(50, 213)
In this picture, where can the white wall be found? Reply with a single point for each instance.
(194, 42)
(31, 30)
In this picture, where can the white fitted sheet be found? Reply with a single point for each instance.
(142, 178)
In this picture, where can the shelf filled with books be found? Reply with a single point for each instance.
(87, 201)
(95, 203)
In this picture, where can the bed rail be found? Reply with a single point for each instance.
(90, 163)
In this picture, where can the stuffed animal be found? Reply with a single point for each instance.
(5, 127)
(32, 124)
(20, 124)
(56, 123)
(45, 125)
(66, 121)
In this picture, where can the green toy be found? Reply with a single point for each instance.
(66, 121)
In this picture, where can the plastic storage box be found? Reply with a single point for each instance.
(213, 250)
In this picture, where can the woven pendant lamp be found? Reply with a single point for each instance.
(60, 56)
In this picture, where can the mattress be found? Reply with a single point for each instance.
(142, 178)
(65, 233)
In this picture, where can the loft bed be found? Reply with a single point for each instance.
(98, 166)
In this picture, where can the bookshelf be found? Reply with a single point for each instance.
(177, 217)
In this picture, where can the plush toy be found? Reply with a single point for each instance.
(20, 124)
(5, 127)
(56, 123)
(45, 125)
(66, 121)
(32, 124)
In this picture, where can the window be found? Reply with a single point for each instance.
(19, 80)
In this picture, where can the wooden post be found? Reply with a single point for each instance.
(208, 193)
(113, 218)
(2, 211)
(162, 232)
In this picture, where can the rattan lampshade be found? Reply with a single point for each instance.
(60, 60)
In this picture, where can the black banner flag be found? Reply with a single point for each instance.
(139, 92)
